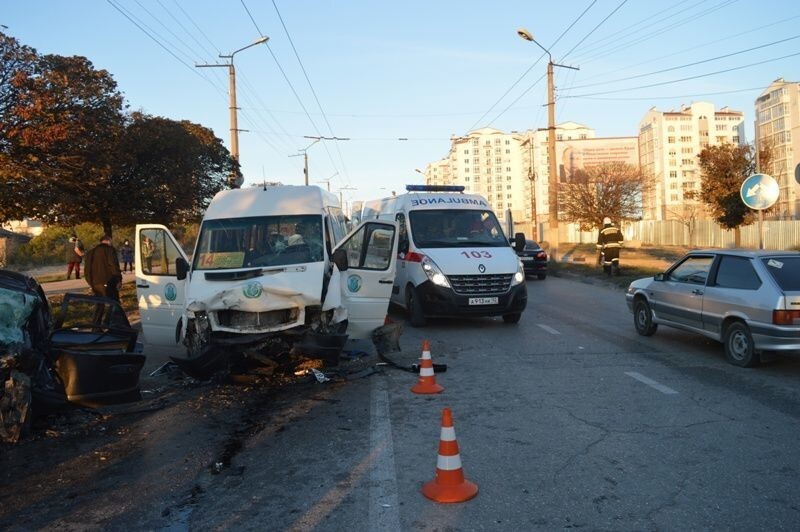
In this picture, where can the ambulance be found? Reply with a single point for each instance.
(453, 258)
(271, 267)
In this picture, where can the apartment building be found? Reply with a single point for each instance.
(777, 127)
(511, 170)
(669, 143)
(486, 162)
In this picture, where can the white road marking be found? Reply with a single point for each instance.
(384, 513)
(650, 382)
(548, 328)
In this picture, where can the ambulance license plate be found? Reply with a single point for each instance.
(483, 301)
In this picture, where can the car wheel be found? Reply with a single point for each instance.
(542, 276)
(416, 316)
(643, 318)
(739, 348)
(512, 318)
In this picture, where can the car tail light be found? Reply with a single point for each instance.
(414, 257)
(786, 317)
(541, 255)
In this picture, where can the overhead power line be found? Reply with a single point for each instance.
(288, 81)
(131, 17)
(695, 63)
(594, 29)
(693, 48)
(617, 46)
(313, 92)
(478, 121)
(683, 79)
(671, 97)
(592, 45)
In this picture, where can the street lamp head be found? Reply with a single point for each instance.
(525, 34)
(261, 40)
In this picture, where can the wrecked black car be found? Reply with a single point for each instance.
(85, 354)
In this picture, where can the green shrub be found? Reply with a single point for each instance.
(49, 247)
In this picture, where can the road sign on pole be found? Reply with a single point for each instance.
(759, 192)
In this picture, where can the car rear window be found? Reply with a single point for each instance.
(737, 272)
(785, 271)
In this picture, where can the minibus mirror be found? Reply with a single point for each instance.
(340, 259)
(181, 268)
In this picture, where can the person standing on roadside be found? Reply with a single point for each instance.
(127, 256)
(102, 273)
(74, 255)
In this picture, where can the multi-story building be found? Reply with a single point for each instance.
(487, 162)
(511, 170)
(669, 143)
(777, 128)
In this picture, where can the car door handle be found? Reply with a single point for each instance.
(697, 292)
(142, 285)
(386, 281)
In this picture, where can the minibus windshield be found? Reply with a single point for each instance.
(259, 241)
(452, 228)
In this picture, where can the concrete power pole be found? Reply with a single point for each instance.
(552, 178)
(235, 181)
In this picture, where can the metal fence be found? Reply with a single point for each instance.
(778, 234)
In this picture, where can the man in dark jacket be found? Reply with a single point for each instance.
(102, 273)
(609, 242)
(74, 255)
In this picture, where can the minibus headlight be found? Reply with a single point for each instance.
(434, 273)
(519, 277)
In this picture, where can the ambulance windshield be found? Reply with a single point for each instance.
(449, 228)
(259, 241)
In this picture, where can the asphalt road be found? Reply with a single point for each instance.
(567, 420)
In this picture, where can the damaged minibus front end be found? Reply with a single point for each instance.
(272, 274)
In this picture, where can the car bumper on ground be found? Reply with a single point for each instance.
(443, 302)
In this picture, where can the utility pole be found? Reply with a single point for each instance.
(341, 200)
(304, 152)
(552, 178)
(235, 181)
(532, 179)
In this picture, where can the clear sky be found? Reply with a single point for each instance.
(417, 70)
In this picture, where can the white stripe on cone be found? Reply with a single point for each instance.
(426, 355)
(448, 463)
(448, 434)
(426, 372)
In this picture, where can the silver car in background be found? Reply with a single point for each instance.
(748, 300)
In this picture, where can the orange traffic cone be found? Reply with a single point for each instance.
(449, 484)
(427, 379)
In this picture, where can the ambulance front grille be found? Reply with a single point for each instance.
(480, 284)
(256, 320)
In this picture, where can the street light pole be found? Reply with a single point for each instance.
(235, 181)
(341, 200)
(304, 152)
(552, 178)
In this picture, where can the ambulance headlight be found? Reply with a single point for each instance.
(434, 273)
(519, 277)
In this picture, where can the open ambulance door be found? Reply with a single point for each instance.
(160, 293)
(366, 284)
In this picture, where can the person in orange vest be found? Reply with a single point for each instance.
(609, 242)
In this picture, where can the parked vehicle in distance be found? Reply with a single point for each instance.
(534, 259)
(747, 299)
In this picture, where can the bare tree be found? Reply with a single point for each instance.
(613, 189)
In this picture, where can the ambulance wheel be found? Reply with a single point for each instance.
(512, 318)
(414, 307)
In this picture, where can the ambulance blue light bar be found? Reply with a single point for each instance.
(435, 188)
